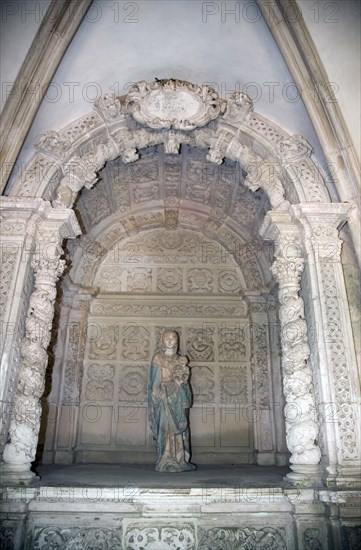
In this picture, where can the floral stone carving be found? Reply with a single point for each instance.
(235, 538)
(170, 537)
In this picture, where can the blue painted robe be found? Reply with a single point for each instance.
(177, 403)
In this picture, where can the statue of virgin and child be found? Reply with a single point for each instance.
(169, 400)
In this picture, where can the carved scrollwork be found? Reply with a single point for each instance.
(74, 538)
(200, 344)
(166, 537)
(202, 382)
(173, 104)
(234, 384)
(109, 107)
(237, 538)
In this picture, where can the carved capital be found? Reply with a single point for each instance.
(287, 270)
(321, 223)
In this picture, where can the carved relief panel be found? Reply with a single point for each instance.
(172, 281)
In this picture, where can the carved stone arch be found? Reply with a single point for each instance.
(69, 159)
(186, 114)
(248, 253)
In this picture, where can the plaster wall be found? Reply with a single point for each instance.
(335, 30)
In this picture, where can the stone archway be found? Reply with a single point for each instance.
(302, 223)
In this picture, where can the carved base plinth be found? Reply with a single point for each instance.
(14, 474)
(350, 480)
(305, 475)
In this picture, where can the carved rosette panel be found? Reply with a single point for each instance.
(139, 279)
(200, 344)
(335, 340)
(111, 278)
(203, 384)
(103, 341)
(300, 412)
(181, 262)
(167, 537)
(74, 538)
(226, 538)
(25, 421)
(170, 279)
(231, 344)
(100, 386)
(133, 383)
(135, 342)
(200, 280)
(229, 282)
(233, 384)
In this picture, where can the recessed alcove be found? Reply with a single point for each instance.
(170, 242)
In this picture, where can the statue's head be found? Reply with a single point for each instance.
(169, 340)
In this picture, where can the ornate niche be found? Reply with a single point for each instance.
(164, 279)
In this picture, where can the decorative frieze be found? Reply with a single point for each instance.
(224, 538)
(71, 538)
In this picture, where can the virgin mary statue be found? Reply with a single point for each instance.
(169, 399)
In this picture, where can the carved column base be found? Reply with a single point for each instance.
(305, 475)
(16, 474)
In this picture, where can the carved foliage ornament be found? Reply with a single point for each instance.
(246, 537)
(173, 104)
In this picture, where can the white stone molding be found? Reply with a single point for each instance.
(70, 158)
(52, 226)
(338, 382)
(302, 426)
